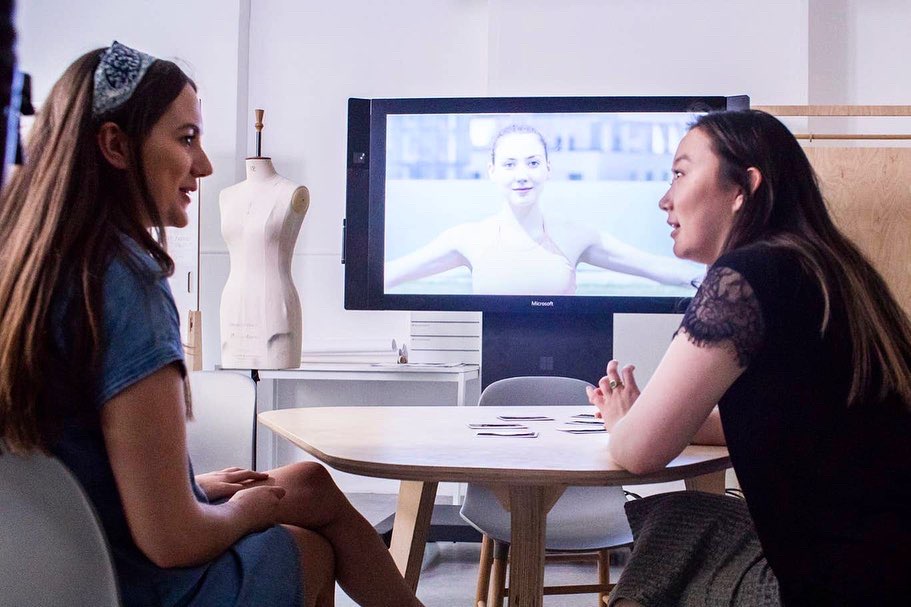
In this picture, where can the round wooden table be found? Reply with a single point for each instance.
(423, 446)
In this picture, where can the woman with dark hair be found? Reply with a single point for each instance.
(91, 364)
(798, 340)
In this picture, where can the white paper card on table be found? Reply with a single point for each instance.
(526, 418)
(495, 425)
(584, 416)
(582, 429)
(508, 432)
(586, 422)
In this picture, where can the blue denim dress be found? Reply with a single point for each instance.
(141, 336)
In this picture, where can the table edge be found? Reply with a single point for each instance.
(521, 476)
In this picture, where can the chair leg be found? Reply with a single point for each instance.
(498, 581)
(603, 575)
(480, 599)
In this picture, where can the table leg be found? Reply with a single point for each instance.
(528, 510)
(713, 482)
(412, 524)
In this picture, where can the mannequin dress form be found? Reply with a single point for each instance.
(260, 307)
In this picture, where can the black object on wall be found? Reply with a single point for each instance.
(7, 69)
(25, 109)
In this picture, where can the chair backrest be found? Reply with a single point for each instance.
(535, 390)
(52, 548)
(224, 420)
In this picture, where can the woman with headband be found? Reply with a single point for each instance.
(91, 363)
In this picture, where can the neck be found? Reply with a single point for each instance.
(528, 218)
(259, 169)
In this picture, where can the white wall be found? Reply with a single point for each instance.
(202, 36)
(629, 47)
(856, 50)
(306, 60)
(301, 60)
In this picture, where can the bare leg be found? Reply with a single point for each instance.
(317, 564)
(363, 565)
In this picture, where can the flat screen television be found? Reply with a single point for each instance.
(540, 212)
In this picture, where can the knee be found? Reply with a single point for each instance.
(313, 476)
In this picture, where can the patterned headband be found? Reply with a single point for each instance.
(116, 77)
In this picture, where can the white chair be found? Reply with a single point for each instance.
(584, 519)
(52, 548)
(224, 420)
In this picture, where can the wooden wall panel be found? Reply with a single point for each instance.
(869, 196)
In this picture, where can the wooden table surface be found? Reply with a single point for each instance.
(423, 446)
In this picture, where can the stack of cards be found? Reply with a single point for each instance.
(583, 428)
(502, 429)
(511, 425)
(583, 423)
(513, 432)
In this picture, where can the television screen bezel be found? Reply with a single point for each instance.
(364, 223)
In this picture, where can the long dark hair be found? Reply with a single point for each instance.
(61, 217)
(788, 210)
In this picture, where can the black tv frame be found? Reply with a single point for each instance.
(569, 335)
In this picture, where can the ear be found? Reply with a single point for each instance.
(114, 145)
(755, 178)
(490, 170)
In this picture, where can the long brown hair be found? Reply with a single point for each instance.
(788, 210)
(61, 216)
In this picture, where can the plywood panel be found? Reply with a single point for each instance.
(869, 196)
(835, 110)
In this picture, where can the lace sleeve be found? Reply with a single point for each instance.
(725, 309)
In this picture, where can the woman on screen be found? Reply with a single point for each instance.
(807, 354)
(520, 251)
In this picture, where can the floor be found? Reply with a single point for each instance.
(450, 570)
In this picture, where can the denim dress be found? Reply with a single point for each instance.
(142, 335)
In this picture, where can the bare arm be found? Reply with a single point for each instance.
(613, 254)
(677, 406)
(441, 254)
(145, 436)
(711, 432)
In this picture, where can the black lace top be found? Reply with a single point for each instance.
(828, 486)
(725, 309)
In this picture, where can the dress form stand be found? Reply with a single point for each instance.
(260, 311)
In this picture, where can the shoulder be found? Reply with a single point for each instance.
(571, 232)
(141, 326)
(473, 232)
(232, 192)
(777, 275)
(761, 263)
(726, 308)
(300, 199)
(133, 276)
